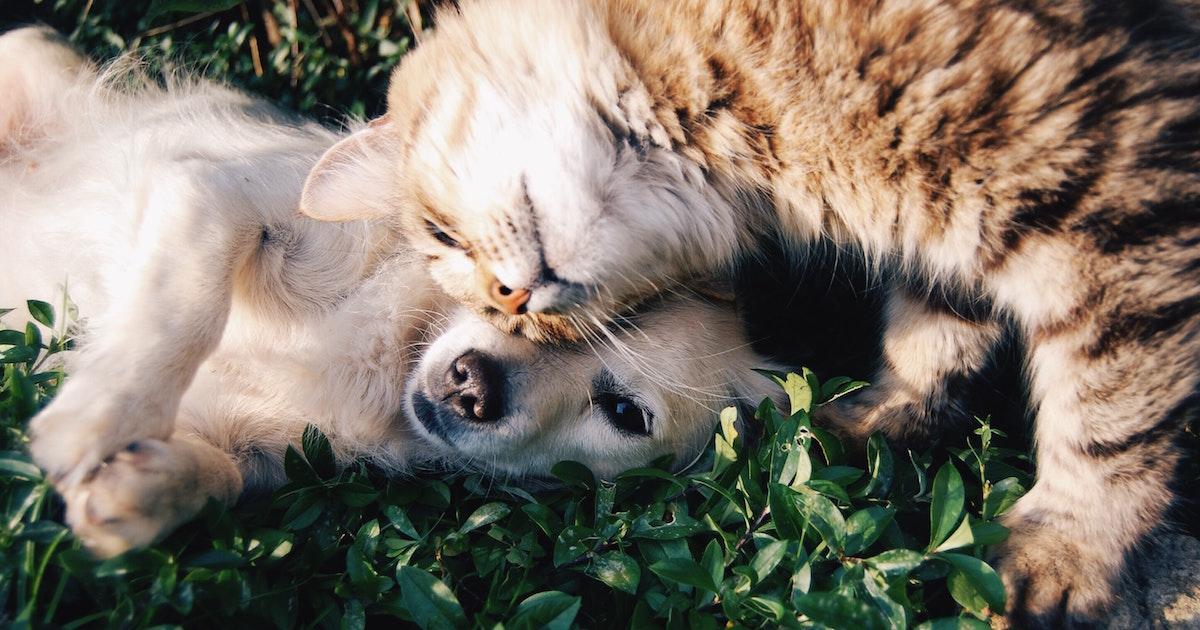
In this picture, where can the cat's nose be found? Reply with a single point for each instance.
(509, 300)
(473, 387)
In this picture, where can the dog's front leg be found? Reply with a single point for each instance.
(193, 228)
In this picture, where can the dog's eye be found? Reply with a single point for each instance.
(624, 414)
(442, 236)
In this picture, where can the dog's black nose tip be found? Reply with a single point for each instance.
(474, 388)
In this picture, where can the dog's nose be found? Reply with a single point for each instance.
(474, 388)
(509, 300)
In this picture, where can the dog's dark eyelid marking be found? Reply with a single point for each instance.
(623, 409)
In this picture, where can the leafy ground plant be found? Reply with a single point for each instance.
(778, 526)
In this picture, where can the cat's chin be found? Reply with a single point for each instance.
(537, 327)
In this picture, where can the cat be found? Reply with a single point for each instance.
(218, 322)
(1036, 160)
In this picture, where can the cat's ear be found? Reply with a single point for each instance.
(355, 177)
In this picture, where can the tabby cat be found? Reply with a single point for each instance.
(1036, 159)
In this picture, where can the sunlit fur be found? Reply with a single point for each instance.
(217, 322)
(1035, 159)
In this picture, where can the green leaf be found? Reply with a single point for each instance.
(356, 494)
(865, 526)
(682, 527)
(11, 338)
(570, 544)
(401, 522)
(767, 606)
(652, 473)
(354, 617)
(42, 312)
(831, 446)
(318, 452)
(18, 354)
(820, 513)
(297, 468)
(726, 453)
(785, 512)
(159, 7)
(881, 466)
(768, 558)
(543, 517)
(549, 610)
(839, 611)
(896, 562)
(891, 610)
(974, 584)
(486, 514)
(1003, 495)
(714, 561)
(574, 474)
(17, 465)
(33, 336)
(799, 393)
(974, 533)
(617, 570)
(430, 602)
(830, 394)
(988, 532)
(684, 571)
(961, 537)
(305, 508)
(947, 508)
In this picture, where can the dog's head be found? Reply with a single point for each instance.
(653, 386)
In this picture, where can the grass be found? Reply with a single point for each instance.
(782, 530)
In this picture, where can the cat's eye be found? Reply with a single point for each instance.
(624, 414)
(445, 239)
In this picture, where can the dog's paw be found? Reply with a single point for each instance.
(1052, 579)
(143, 492)
(87, 424)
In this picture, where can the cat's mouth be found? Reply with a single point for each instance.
(572, 326)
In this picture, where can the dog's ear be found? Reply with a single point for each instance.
(354, 179)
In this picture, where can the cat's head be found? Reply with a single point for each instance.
(525, 162)
(505, 405)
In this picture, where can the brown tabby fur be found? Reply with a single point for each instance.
(1036, 159)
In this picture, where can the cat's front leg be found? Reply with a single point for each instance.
(147, 490)
(169, 311)
(1113, 390)
(930, 351)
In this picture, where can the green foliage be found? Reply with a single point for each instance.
(787, 530)
(327, 58)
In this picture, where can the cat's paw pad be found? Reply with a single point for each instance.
(134, 497)
(1052, 580)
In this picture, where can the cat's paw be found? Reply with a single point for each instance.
(855, 419)
(88, 423)
(1053, 579)
(142, 493)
